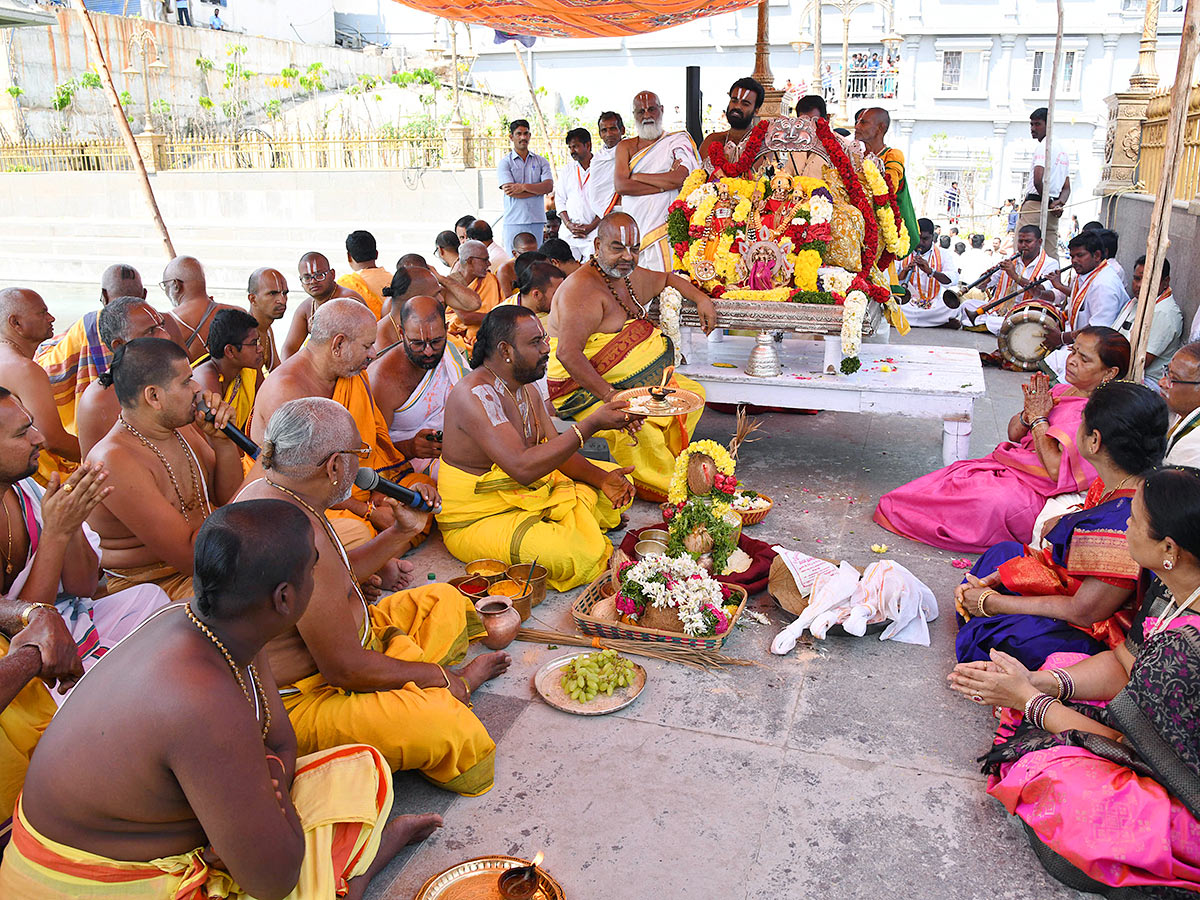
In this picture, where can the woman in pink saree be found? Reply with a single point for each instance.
(1100, 755)
(972, 504)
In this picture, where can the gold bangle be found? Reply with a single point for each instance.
(467, 688)
(445, 675)
(578, 434)
(983, 614)
(29, 608)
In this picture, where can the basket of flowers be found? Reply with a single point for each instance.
(751, 506)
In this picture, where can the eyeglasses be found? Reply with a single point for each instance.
(363, 452)
(253, 342)
(1169, 380)
(166, 285)
(310, 277)
(422, 345)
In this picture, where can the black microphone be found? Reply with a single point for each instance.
(369, 480)
(235, 434)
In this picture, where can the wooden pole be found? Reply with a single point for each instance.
(762, 48)
(1158, 239)
(1048, 163)
(135, 154)
(818, 85)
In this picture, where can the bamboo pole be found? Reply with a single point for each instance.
(1159, 238)
(1048, 163)
(135, 154)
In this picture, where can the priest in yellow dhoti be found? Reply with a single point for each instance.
(22, 721)
(171, 820)
(601, 342)
(373, 673)
(332, 364)
(512, 487)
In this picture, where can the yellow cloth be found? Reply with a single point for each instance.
(557, 521)
(49, 463)
(426, 729)
(630, 364)
(488, 289)
(342, 795)
(175, 584)
(73, 362)
(368, 286)
(355, 394)
(240, 395)
(21, 725)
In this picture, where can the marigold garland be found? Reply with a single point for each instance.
(678, 490)
(858, 197)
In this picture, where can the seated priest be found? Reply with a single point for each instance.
(512, 487)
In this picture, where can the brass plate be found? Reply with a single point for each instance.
(679, 403)
(478, 879)
(548, 682)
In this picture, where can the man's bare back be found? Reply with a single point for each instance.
(95, 414)
(294, 378)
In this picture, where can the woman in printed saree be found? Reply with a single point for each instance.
(972, 504)
(1074, 594)
(1104, 768)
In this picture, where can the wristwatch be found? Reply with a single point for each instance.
(28, 610)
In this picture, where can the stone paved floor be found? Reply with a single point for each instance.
(844, 770)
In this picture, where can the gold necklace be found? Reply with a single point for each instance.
(184, 508)
(329, 533)
(237, 673)
(8, 563)
(1109, 494)
(641, 310)
(525, 429)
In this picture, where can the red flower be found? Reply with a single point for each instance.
(681, 248)
(717, 290)
(739, 169)
(696, 230)
(678, 205)
(822, 232)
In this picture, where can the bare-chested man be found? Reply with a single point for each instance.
(603, 305)
(333, 365)
(512, 487)
(186, 288)
(168, 467)
(202, 785)
(650, 170)
(421, 281)
(267, 294)
(524, 242)
(410, 383)
(123, 320)
(319, 281)
(24, 323)
(745, 99)
(375, 675)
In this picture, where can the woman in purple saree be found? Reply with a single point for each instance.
(1106, 776)
(970, 505)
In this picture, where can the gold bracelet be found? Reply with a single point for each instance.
(578, 434)
(442, 669)
(467, 688)
(28, 610)
(979, 603)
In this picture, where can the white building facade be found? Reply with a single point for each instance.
(969, 74)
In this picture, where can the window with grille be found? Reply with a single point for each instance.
(952, 70)
(1040, 82)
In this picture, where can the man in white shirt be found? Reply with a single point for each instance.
(974, 262)
(601, 190)
(1057, 183)
(1031, 263)
(1166, 328)
(1180, 386)
(481, 231)
(574, 208)
(1095, 297)
(929, 271)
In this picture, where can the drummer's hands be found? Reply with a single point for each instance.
(1038, 402)
(1053, 338)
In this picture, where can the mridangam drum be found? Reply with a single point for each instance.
(1024, 330)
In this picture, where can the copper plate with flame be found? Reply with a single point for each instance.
(642, 401)
(479, 879)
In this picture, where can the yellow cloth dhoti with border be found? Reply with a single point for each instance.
(342, 795)
(175, 584)
(636, 356)
(21, 725)
(355, 394)
(426, 729)
(556, 520)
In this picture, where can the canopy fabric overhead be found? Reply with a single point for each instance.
(577, 18)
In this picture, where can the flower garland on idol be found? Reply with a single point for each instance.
(670, 301)
(893, 232)
(858, 197)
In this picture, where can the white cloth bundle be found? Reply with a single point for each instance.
(886, 590)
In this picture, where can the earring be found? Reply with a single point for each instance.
(1168, 565)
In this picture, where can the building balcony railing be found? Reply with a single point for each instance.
(1153, 146)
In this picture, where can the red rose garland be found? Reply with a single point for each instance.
(720, 162)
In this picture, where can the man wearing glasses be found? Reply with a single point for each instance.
(333, 364)
(185, 286)
(1180, 387)
(234, 366)
(410, 382)
(319, 281)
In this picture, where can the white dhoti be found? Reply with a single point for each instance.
(426, 406)
(650, 210)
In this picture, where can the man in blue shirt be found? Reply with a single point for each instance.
(216, 23)
(525, 179)
(183, 12)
